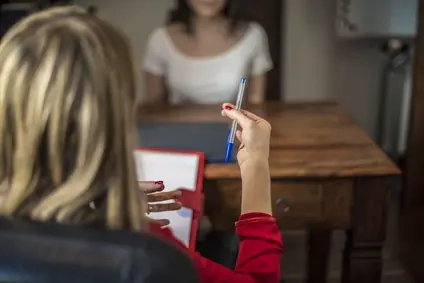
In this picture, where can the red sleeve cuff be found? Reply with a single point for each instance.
(253, 215)
(259, 226)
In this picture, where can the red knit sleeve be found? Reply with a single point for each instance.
(258, 261)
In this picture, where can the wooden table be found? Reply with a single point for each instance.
(326, 174)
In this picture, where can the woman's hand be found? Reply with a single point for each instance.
(154, 194)
(252, 157)
(254, 135)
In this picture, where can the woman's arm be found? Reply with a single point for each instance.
(260, 246)
(256, 89)
(154, 89)
(256, 187)
(258, 260)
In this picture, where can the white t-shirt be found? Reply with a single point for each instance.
(207, 80)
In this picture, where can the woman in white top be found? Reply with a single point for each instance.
(200, 56)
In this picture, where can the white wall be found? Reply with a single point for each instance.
(309, 58)
(320, 67)
(317, 65)
(135, 17)
(359, 69)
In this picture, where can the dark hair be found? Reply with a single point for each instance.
(182, 13)
(92, 10)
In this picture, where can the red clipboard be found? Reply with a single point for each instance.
(191, 199)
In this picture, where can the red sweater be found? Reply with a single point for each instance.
(259, 255)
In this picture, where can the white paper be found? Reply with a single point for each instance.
(176, 170)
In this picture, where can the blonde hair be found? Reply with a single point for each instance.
(67, 94)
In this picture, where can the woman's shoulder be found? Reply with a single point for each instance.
(164, 36)
(157, 37)
(255, 31)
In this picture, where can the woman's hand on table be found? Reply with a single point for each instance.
(154, 194)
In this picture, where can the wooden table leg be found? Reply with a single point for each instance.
(319, 247)
(362, 257)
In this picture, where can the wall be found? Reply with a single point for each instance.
(317, 65)
(320, 67)
(136, 17)
(309, 51)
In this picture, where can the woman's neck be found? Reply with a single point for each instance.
(201, 24)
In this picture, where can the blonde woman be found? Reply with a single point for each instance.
(66, 140)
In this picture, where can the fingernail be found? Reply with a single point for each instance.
(159, 182)
(228, 107)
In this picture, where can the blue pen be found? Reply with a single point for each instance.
(232, 133)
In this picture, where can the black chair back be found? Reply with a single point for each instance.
(49, 252)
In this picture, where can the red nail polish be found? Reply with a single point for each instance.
(228, 107)
(159, 182)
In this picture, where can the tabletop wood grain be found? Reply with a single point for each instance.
(308, 140)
